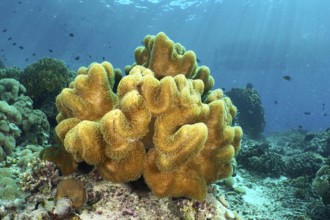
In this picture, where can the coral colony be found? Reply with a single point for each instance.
(160, 124)
(156, 125)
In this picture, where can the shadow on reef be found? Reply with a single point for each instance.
(251, 114)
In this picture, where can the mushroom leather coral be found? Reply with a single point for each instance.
(156, 125)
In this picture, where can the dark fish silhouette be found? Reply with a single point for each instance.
(103, 58)
(77, 58)
(275, 102)
(33, 54)
(4, 30)
(21, 47)
(325, 114)
(50, 51)
(71, 34)
(307, 113)
(10, 38)
(287, 78)
(13, 44)
(198, 60)
(300, 127)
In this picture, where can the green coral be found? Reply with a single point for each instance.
(11, 72)
(44, 79)
(8, 188)
(321, 184)
(2, 65)
(251, 116)
(19, 122)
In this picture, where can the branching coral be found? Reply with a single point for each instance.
(155, 125)
(40, 176)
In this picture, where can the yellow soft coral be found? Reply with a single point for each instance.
(154, 125)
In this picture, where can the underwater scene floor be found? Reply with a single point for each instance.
(276, 177)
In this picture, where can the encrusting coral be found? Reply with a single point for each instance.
(162, 122)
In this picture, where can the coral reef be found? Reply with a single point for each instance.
(44, 80)
(321, 183)
(251, 115)
(10, 72)
(259, 157)
(19, 122)
(40, 176)
(303, 164)
(9, 189)
(162, 122)
(2, 65)
(123, 202)
(270, 160)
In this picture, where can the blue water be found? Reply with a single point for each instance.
(256, 41)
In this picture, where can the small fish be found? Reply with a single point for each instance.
(300, 127)
(323, 106)
(2, 50)
(4, 30)
(10, 38)
(142, 43)
(33, 54)
(276, 102)
(21, 47)
(27, 59)
(287, 78)
(325, 114)
(13, 44)
(223, 89)
(19, 2)
(71, 34)
(50, 51)
(307, 113)
(103, 58)
(198, 60)
(89, 56)
(77, 58)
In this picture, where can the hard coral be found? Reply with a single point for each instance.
(321, 183)
(252, 115)
(19, 122)
(155, 125)
(43, 80)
